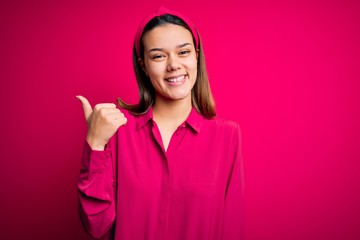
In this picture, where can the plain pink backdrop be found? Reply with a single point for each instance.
(287, 72)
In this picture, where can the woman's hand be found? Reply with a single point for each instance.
(103, 121)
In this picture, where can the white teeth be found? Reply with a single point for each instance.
(178, 79)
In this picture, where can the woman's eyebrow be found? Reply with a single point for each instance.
(161, 49)
(183, 45)
(156, 49)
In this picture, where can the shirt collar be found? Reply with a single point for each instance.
(194, 120)
(143, 119)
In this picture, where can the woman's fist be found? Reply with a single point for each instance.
(103, 121)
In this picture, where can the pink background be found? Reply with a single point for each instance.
(287, 72)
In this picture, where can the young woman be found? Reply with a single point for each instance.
(167, 167)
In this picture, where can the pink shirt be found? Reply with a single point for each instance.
(194, 190)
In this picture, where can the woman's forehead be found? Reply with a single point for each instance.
(167, 35)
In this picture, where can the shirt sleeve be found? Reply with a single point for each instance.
(233, 219)
(96, 190)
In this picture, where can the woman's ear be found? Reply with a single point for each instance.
(197, 54)
(141, 63)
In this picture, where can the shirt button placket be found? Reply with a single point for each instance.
(164, 205)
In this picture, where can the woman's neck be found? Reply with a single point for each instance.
(174, 112)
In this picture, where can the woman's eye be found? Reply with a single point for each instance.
(184, 52)
(156, 56)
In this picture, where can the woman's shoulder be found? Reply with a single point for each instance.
(223, 122)
(126, 112)
(135, 121)
(223, 129)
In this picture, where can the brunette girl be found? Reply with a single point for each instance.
(167, 167)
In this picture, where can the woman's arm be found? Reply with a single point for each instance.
(233, 221)
(96, 189)
(97, 180)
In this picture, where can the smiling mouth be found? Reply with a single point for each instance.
(176, 79)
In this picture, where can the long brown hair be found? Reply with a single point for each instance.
(201, 96)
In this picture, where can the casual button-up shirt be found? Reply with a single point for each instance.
(193, 190)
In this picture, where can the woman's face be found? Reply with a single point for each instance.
(170, 60)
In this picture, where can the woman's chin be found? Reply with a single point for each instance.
(177, 96)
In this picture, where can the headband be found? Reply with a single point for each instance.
(162, 11)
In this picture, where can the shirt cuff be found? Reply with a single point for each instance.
(94, 159)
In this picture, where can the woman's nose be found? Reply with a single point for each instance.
(172, 65)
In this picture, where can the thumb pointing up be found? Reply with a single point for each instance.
(103, 121)
(86, 105)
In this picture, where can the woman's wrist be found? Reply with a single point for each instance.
(95, 144)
